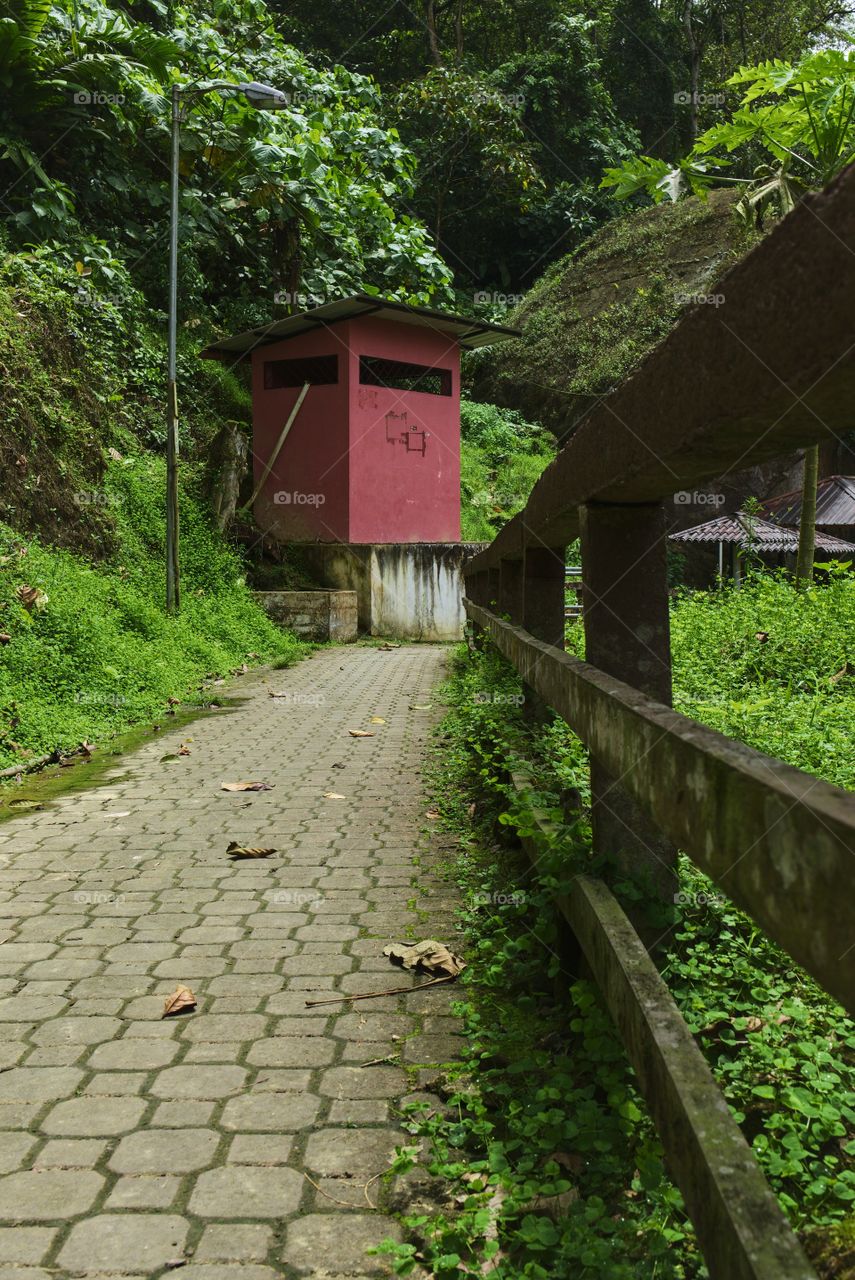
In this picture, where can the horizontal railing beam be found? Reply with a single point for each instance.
(742, 1232)
(767, 370)
(779, 842)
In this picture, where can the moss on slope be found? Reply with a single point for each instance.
(594, 316)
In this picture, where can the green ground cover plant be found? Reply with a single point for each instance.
(501, 457)
(95, 652)
(550, 1150)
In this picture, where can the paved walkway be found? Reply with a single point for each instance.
(231, 1141)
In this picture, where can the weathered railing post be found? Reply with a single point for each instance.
(493, 587)
(511, 582)
(543, 609)
(475, 589)
(627, 635)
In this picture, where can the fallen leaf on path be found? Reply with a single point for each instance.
(360, 733)
(246, 786)
(184, 750)
(427, 957)
(333, 795)
(421, 706)
(376, 720)
(182, 998)
(433, 814)
(238, 852)
(387, 648)
(25, 804)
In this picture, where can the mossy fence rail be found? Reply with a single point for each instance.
(770, 370)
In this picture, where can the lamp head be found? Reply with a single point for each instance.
(262, 96)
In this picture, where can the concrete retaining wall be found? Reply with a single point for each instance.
(312, 615)
(410, 590)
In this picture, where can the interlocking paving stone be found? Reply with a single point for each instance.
(112, 1240)
(48, 1195)
(132, 1143)
(165, 1151)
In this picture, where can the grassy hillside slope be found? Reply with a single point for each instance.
(594, 316)
(85, 645)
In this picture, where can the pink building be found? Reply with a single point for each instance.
(371, 459)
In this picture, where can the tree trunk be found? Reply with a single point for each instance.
(226, 470)
(807, 525)
(287, 257)
(694, 66)
(433, 36)
(458, 28)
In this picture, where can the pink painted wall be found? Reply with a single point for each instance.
(311, 473)
(404, 445)
(361, 463)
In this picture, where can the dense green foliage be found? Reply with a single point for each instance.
(487, 93)
(771, 666)
(304, 200)
(557, 1163)
(799, 120)
(96, 652)
(501, 457)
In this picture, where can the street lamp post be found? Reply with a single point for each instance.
(263, 98)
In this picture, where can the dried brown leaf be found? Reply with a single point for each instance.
(426, 957)
(376, 720)
(360, 733)
(31, 598)
(246, 786)
(237, 852)
(181, 999)
(334, 795)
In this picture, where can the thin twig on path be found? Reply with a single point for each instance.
(348, 1204)
(374, 995)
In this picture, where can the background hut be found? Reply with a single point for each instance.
(748, 535)
(835, 507)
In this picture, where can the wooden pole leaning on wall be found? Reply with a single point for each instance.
(543, 610)
(627, 635)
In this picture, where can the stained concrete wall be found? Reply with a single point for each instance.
(313, 615)
(410, 590)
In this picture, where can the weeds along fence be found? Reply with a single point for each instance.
(769, 371)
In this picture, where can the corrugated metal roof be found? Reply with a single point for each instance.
(466, 330)
(835, 503)
(744, 531)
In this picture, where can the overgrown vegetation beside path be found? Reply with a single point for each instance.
(551, 1156)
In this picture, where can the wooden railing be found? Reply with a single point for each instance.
(769, 371)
